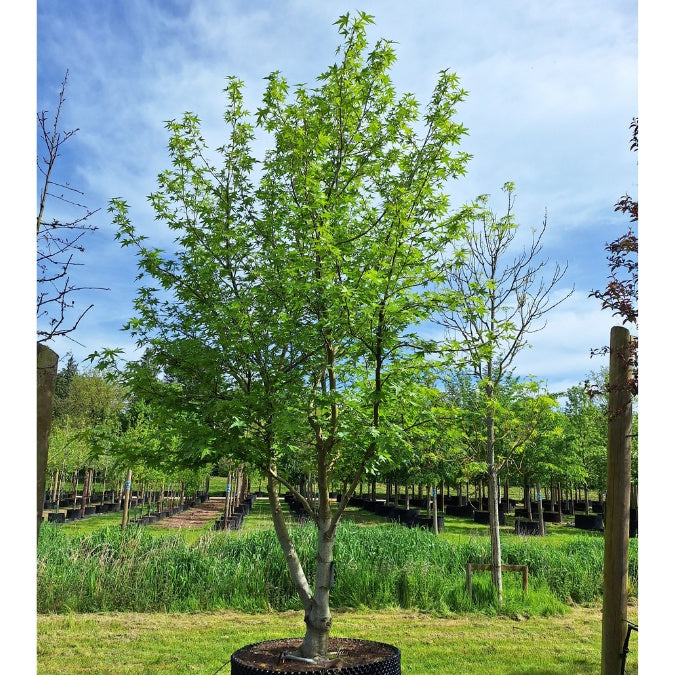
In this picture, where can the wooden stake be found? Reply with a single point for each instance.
(617, 503)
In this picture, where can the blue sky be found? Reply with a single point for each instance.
(552, 90)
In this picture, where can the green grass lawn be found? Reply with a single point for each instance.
(202, 643)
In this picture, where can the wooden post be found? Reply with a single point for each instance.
(47, 364)
(617, 503)
(127, 496)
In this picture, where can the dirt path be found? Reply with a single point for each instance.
(197, 516)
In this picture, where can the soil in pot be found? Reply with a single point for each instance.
(352, 656)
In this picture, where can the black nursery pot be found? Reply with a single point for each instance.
(526, 527)
(358, 657)
(589, 522)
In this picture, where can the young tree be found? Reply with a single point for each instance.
(506, 297)
(585, 432)
(283, 319)
(59, 236)
(59, 240)
(621, 293)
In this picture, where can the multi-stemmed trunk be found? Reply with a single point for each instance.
(318, 619)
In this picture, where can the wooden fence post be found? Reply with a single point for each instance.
(617, 503)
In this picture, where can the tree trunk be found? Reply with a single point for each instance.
(47, 365)
(318, 619)
(127, 497)
(540, 508)
(526, 496)
(228, 496)
(435, 516)
(617, 516)
(493, 506)
(85, 492)
(55, 487)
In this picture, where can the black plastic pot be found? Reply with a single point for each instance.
(507, 505)
(464, 511)
(427, 522)
(73, 514)
(483, 517)
(633, 524)
(386, 659)
(527, 527)
(89, 510)
(59, 517)
(552, 517)
(592, 521)
(408, 517)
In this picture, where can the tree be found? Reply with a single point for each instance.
(621, 293)
(60, 236)
(284, 318)
(506, 298)
(59, 239)
(83, 403)
(586, 436)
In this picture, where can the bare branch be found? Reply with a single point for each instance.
(57, 239)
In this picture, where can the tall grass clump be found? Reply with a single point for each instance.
(376, 567)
